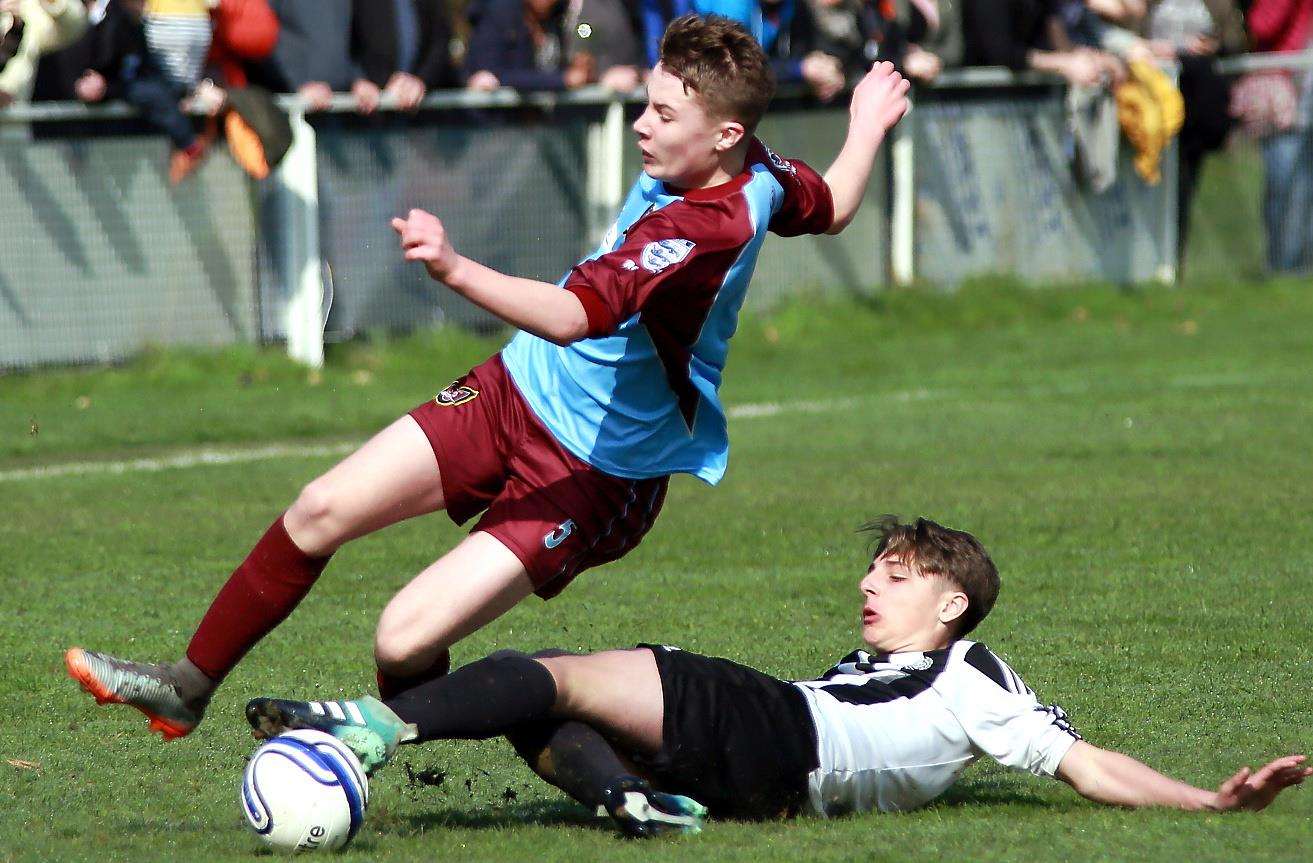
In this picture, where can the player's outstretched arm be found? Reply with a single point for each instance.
(879, 102)
(1119, 780)
(537, 307)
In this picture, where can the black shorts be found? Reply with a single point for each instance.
(738, 741)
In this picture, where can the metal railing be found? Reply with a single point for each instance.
(977, 182)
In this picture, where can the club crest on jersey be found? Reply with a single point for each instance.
(782, 164)
(455, 395)
(664, 253)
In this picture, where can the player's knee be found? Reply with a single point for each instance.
(398, 652)
(313, 507)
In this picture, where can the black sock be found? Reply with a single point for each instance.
(392, 685)
(572, 756)
(483, 699)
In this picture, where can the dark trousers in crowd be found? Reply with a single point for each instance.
(156, 97)
(1288, 199)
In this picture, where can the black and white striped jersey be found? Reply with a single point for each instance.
(894, 731)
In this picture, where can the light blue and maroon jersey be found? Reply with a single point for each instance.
(638, 396)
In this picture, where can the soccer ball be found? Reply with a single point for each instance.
(304, 791)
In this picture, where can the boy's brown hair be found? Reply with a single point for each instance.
(953, 555)
(719, 61)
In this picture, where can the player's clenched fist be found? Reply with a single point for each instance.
(423, 238)
(879, 101)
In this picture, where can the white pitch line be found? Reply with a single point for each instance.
(753, 410)
(191, 458)
(209, 456)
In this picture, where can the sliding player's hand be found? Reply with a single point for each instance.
(879, 101)
(1255, 791)
(423, 238)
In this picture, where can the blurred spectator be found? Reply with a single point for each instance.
(746, 12)
(1194, 32)
(323, 46)
(1029, 34)
(931, 33)
(519, 43)
(245, 32)
(787, 32)
(121, 65)
(30, 29)
(839, 30)
(178, 34)
(607, 31)
(653, 17)
(404, 50)
(1278, 106)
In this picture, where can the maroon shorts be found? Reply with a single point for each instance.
(558, 514)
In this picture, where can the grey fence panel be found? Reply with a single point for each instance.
(996, 194)
(510, 194)
(99, 258)
(854, 262)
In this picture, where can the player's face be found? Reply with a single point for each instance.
(680, 143)
(903, 609)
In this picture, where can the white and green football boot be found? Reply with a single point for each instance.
(367, 726)
(642, 812)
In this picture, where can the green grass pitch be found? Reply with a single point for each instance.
(1137, 462)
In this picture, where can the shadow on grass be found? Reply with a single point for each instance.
(541, 813)
(561, 813)
(988, 793)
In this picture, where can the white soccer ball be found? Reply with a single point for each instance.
(305, 791)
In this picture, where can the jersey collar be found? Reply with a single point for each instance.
(711, 193)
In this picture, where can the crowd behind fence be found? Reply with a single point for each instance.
(1087, 166)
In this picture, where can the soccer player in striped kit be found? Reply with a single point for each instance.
(565, 440)
(657, 736)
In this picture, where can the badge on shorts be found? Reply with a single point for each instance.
(557, 536)
(455, 395)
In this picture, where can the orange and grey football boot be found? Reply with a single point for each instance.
(151, 688)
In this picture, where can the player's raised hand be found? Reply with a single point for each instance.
(1254, 791)
(423, 238)
(879, 101)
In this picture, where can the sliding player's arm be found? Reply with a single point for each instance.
(1105, 776)
(537, 307)
(879, 102)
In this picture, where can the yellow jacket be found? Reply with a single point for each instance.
(1151, 112)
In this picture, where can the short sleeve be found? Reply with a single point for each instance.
(1004, 719)
(808, 206)
(659, 255)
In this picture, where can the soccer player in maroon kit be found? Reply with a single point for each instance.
(566, 439)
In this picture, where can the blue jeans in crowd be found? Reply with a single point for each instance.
(156, 98)
(1288, 199)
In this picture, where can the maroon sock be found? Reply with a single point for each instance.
(392, 685)
(258, 596)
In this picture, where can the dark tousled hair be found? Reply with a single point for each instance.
(719, 61)
(953, 555)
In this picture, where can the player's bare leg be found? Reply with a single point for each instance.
(392, 477)
(468, 587)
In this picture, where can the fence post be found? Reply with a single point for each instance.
(605, 169)
(902, 217)
(298, 175)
